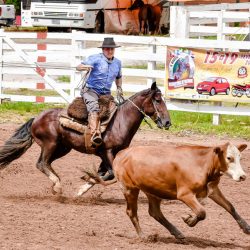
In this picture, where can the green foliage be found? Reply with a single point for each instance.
(63, 79)
(25, 107)
(159, 66)
(32, 92)
(16, 3)
(25, 29)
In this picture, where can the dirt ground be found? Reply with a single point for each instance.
(32, 218)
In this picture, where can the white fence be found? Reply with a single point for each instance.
(38, 61)
(210, 20)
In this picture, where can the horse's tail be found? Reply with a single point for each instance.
(150, 18)
(16, 145)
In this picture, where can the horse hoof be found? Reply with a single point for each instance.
(247, 230)
(180, 236)
(56, 190)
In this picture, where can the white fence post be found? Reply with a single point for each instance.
(179, 22)
(78, 46)
(216, 119)
(151, 64)
(72, 65)
(220, 36)
(221, 26)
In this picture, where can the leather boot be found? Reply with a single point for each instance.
(94, 125)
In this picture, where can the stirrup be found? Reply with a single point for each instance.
(96, 140)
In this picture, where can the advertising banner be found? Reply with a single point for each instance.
(207, 75)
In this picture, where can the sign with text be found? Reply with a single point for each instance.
(207, 75)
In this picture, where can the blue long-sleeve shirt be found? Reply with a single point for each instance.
(103, 74)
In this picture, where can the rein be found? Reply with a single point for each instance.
(83, 80)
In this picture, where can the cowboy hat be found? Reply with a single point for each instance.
(109, 42)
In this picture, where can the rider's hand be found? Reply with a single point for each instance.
(119, 95)
(82, 67)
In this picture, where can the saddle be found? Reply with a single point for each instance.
(76, 117)
(78, 110)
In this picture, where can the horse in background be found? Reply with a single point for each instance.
(149, 17)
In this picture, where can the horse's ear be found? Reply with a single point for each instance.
(153, 86)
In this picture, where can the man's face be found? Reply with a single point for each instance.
(109, 52)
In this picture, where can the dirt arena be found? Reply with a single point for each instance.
(32, 218)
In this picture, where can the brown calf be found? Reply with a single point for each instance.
(186, 173)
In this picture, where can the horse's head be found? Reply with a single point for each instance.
(155, 107)
(137, 4)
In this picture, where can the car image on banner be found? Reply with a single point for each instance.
(214, 85)
(207, 75)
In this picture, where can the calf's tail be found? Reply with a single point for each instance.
(17, 144)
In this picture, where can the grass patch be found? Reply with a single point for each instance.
(26, 107)
(188, 123)
(159, 66)
(32, 92)
(26, 29)
(183, 123)
(63, 79)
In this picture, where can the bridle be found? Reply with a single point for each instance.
(145, 116)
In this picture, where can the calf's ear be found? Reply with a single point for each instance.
(217, 150)
(242, 147)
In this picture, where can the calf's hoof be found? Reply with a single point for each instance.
(190, 220)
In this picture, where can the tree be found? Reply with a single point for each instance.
(17, 4)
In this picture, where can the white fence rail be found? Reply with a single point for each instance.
(55, 55)
(210, 20)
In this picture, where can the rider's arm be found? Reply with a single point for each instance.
(82, 67)
(118, 82)
(119, 92)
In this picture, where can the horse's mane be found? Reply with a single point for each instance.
(144, 92)
(141, 93)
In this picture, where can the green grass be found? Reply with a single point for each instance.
(26, 29)
(19, 112)
(188, 123)
(183, 123)
(159, 66)
(32, 92)
(64, 79)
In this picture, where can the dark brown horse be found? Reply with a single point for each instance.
(149, 17)
(56, 141)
